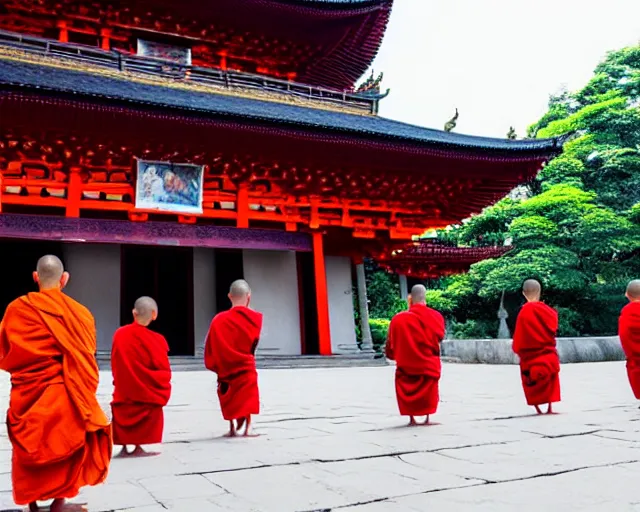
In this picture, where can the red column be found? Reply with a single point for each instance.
(63, 35)
(105, 39)
(322, 297)
(74, 192)
(242, 206)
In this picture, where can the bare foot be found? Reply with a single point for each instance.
(240, 423)
(550, 409)
(123, 453)
(139, 452)
(426, 421)
(232, 430)
(247, 426)
(60, 505)
(538, 409)
(33, 507)
(412, 421)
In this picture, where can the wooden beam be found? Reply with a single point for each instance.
(74, 193)
(322, 295)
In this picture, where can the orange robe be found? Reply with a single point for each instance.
(142, 385)
(534, 341)
(230, 352)
(61, 438)
(629, 330)
(414, 343)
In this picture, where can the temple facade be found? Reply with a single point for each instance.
(167, 148)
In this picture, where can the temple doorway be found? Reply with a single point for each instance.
(307, 300)
(166, 274)
(18, 259)
(229, 267)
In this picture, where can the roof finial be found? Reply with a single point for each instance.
(512, 135)
(451, 124)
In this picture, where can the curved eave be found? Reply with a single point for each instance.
(56, 81)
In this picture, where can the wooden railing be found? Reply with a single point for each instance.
(169, 69)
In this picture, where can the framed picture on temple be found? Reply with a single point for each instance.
(169, 187)
(178, 54)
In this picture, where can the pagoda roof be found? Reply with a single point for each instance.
(109, 86)
(430, 259)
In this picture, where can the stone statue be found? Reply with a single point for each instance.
(512, 135)
(451, 124)
(503, 330)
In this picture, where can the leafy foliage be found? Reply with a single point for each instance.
(578, 231)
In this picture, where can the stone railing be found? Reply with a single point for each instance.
(571, 350)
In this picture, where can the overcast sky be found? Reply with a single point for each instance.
(497, 61)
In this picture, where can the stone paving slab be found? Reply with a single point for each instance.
(331, 439)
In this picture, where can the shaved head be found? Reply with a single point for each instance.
(240, 293)
(418, 294)
(532, 289)
(50, 273)
(633, 290)
(145, 310)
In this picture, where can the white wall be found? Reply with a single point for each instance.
(273, 278)
(95, 282)
(204, 294)
(343, 328)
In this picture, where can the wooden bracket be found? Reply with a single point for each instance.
(138, 216)
(187, 219)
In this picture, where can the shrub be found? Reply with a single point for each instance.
(379, 328)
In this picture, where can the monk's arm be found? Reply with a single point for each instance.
(209, 356)
(388, 349)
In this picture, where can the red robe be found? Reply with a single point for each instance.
(61, 438)
(534, 341)
(230, 352)
(629, 330)
(414, 342)
(142, 385)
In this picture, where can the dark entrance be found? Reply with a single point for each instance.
(229, 267)
(18, 259)
(308, 309)
(166, 274)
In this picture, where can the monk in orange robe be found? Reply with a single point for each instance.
(61, 438)
(230, 352)
(629, 330)
(141, 381)
(534, 341)
(414, 343)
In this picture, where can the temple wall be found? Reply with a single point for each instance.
(204, 295)
(95, 282)
(273, 278)
(341, 314)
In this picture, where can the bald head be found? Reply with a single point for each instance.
(145, 311)
(418, 294)
(532, 290)
(50, 273)
(240, 293)
(633, 290)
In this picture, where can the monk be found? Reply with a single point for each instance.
(61, 438)
(629, 330)
(141, 381)
(414, 343)
(230, 352)
(534, 341)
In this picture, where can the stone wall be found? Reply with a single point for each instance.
(571, 350)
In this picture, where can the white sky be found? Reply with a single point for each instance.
(496, 60)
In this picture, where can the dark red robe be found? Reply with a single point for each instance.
(629, 330)
(534, 341)
(230, 352)
(142, 385)
(414, 343)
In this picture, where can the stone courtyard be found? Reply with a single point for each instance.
(331, 439)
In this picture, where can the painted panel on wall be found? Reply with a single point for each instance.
(204, 294)
(341, 314)
(273, 278)
(95, 282)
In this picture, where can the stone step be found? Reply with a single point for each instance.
(187, 363)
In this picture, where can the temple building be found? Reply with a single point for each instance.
(166, 148)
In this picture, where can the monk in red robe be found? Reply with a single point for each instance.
(141, 381)
(61, 438)
(534, 341)
(414, 343)
(629, 330)
(230, 352)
